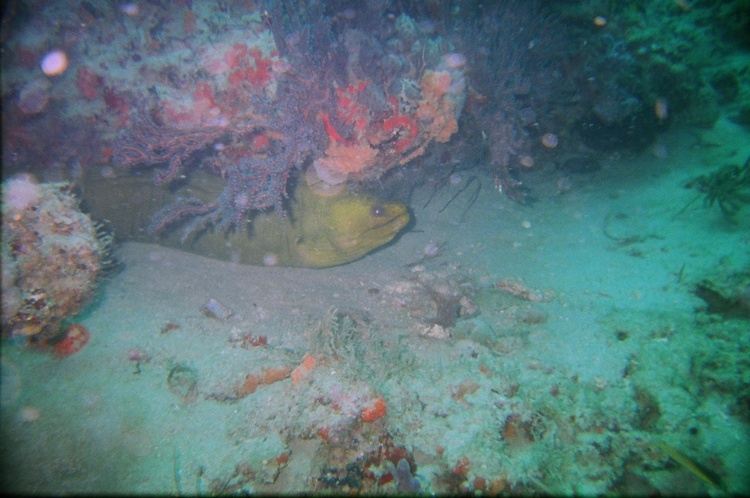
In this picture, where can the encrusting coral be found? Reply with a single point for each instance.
(376, 145)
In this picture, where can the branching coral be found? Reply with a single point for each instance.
(729, 187)
(150, 144)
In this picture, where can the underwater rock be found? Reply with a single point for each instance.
(730, 300)
(51, 257)
(407, 483)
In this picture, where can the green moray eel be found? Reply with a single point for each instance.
(317, 232)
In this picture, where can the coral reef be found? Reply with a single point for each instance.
(254, 95)
(51, 258)
(252, 116)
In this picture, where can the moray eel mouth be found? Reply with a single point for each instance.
(398, 219)
(384, 222)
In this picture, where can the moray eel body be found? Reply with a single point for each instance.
(317, 231)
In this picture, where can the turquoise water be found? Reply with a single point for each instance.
(565, 313)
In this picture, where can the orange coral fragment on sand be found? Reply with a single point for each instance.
(252, 382)
(271, 375)
(76, 337)
(304, 369)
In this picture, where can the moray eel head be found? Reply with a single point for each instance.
(351, 226)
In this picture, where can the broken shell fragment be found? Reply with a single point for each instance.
(214, 309)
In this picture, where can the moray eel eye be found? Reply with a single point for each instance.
(377, 211)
